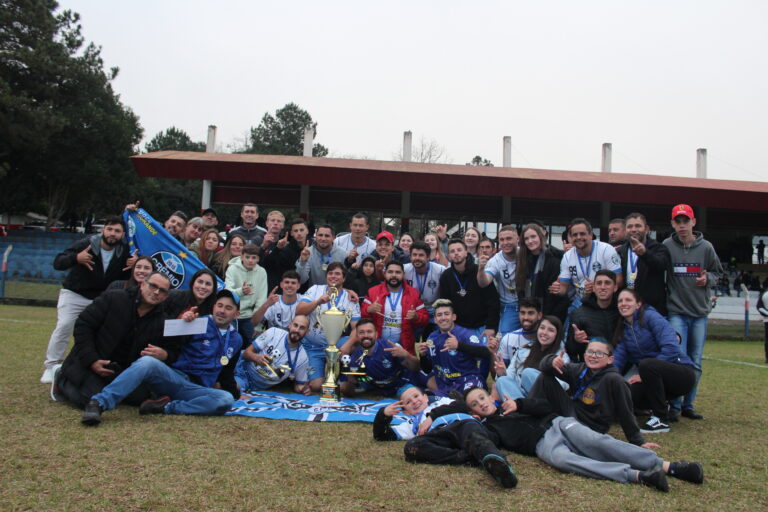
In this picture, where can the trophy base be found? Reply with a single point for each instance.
(330, 394)
(356, 374)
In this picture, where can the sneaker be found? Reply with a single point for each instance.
(654, 426)
(92, 413)
(55, 395)
(691, 414)
(154, 406)
(47, 377)
(499, 469)
(655, 479)
(689, 471)
(673, 416)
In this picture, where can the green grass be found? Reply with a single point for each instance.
(48, 461)
(37, 291)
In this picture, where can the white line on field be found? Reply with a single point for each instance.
(18, 321)
(735, 362)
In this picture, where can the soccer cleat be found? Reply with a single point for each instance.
(499, 469)
(154, 406)
(92, 413)
(655, 479)
(654, 426)
(688, 471)
(691, 414)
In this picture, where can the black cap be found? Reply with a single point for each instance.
(210, 210)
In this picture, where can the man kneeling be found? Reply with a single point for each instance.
(187, 388)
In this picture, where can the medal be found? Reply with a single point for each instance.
(462, 292)
(324, 266)
(224, 360)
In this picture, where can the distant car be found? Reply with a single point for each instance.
(34, 225)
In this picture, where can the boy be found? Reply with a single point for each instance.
(279, 310)
(249, 281)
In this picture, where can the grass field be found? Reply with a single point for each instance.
(48, 461)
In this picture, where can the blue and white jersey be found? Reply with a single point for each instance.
(514, 348)
(428, 284)
(408, 428)
(576, 269)
(452, 365)
(503, 272)
(382, 367)
(274, 343)
(365, 249)
(281, 314)
(344, 303)
(206, 354)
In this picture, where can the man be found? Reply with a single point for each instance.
(596, 317)
(424, 275)
(694, 269)
(248, 229)
(385, 252)
(284, 254)
(314, 260)
(395, 308)
(279, 310)
(500, 269)
(313, 303)
(453, 354)
(93, 263)
(760, 248)
(176, 224)
(387, 365)
(118, 328)
(645, 262)
(515, 346)
(279, 350)
(275, 223)
(356, 243)
(617, 232)
(210, 219)
(476, 308)
(206, 360)
(485, 248)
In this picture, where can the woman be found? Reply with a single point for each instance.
(192, 231)
(201, 295)
(363, 278)
(232, 249)
(645, 338)
(538, 267)
(436, 252)
(472, 237)
(208, 246)
(516, 380)
(405, 243)
(141, 268)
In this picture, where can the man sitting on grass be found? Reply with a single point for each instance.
(206, 359)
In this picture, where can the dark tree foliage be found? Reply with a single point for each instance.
(283, 133)
(479, 161)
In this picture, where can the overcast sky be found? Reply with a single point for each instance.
(658, 79)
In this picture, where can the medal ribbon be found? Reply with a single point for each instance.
(421, 283)
(292, 364)
(582, 386)
(393, 303)
(226, 342)
(463, 285)
(589, 262)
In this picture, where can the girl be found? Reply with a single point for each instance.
(232, 249)
(538, 268)
(142, 267)
(405, 243)
(436, 252)
(363, 278)
(201, 295)
(208, 246)
(472, 237)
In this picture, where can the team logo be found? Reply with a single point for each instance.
(432, 284)
(170, 266)
(386, 363)
(596, 266)
(131, 227)
(589, 396)
(230, 352)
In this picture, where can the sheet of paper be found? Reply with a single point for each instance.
(184, 328)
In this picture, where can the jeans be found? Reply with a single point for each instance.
(187, 397)
(512, 387)
(693, 331)
(509, 319)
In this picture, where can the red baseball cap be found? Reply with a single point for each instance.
(387, 235)
(683, 209)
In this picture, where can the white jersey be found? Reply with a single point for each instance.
(428, 284)
(514, 348)
(344, 303)
(576, 270)
(365, 249)
(294, 363)
(409, 428)
(503, 272)
(281, 314)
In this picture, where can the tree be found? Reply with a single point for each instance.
(283, 133)
(173, 139)
(480, 162)
(79, 158)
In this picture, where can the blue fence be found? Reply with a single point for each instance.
(33, 252)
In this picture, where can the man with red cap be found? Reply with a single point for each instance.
(386, 251)
(694, 270)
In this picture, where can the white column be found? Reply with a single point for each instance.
(309, 139)
(701, 163)
(507, 151)
(605, 206)
(210, 147)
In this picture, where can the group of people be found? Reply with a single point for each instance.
(538, 349)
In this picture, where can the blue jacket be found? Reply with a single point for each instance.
(654, 338)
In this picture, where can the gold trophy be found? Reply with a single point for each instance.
(357, 368)
(272, 372)
(333, 322)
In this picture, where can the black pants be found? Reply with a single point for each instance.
(661, 381)
(91, 385)
(460, 442)
(548, 388)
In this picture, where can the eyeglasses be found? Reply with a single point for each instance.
(154, 288)
(596, 353)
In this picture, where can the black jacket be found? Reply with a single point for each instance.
(480, 306)
(277, 261)
(110, 328)
(552, 303)
(90, 283)
(593, 319)
(651, 272)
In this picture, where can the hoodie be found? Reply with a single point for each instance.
(256, 278)
(687, 262)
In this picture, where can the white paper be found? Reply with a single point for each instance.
(184, 328)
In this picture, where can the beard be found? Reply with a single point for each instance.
(367, 343)
(395, 282)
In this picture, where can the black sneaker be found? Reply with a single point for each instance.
(154, 406)
(499, 468)
(656, 479)
(689, 471)
(654, 426)
(691, 414)
(92, 413)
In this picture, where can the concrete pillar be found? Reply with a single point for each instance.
(210, 147)
(506, 210)
(701, 163)
(507, 151)
(607, 163)
(304, 202)
(407, 146)
(309, 140)
(605, 206)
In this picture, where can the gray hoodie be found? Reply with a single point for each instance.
(687, 262)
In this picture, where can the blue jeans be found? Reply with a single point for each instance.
(187, 397)
(512, 387)
(693, 331)
(509, 319)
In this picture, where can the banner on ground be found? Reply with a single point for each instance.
(171, 258)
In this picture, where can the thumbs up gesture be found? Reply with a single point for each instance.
(246, 289)
(578, 335)
(411, 314)
(558, 362)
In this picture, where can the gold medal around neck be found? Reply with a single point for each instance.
(324, 266)
(462, 292)
(224, 360)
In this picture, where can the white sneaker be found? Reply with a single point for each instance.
(654, 426)
(54, 389)
(48, 374)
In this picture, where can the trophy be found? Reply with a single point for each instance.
(273, 373)
(333, 322)
(357, 368)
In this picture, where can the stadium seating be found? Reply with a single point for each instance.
(33, 252)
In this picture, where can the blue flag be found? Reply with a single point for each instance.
(171, 258)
